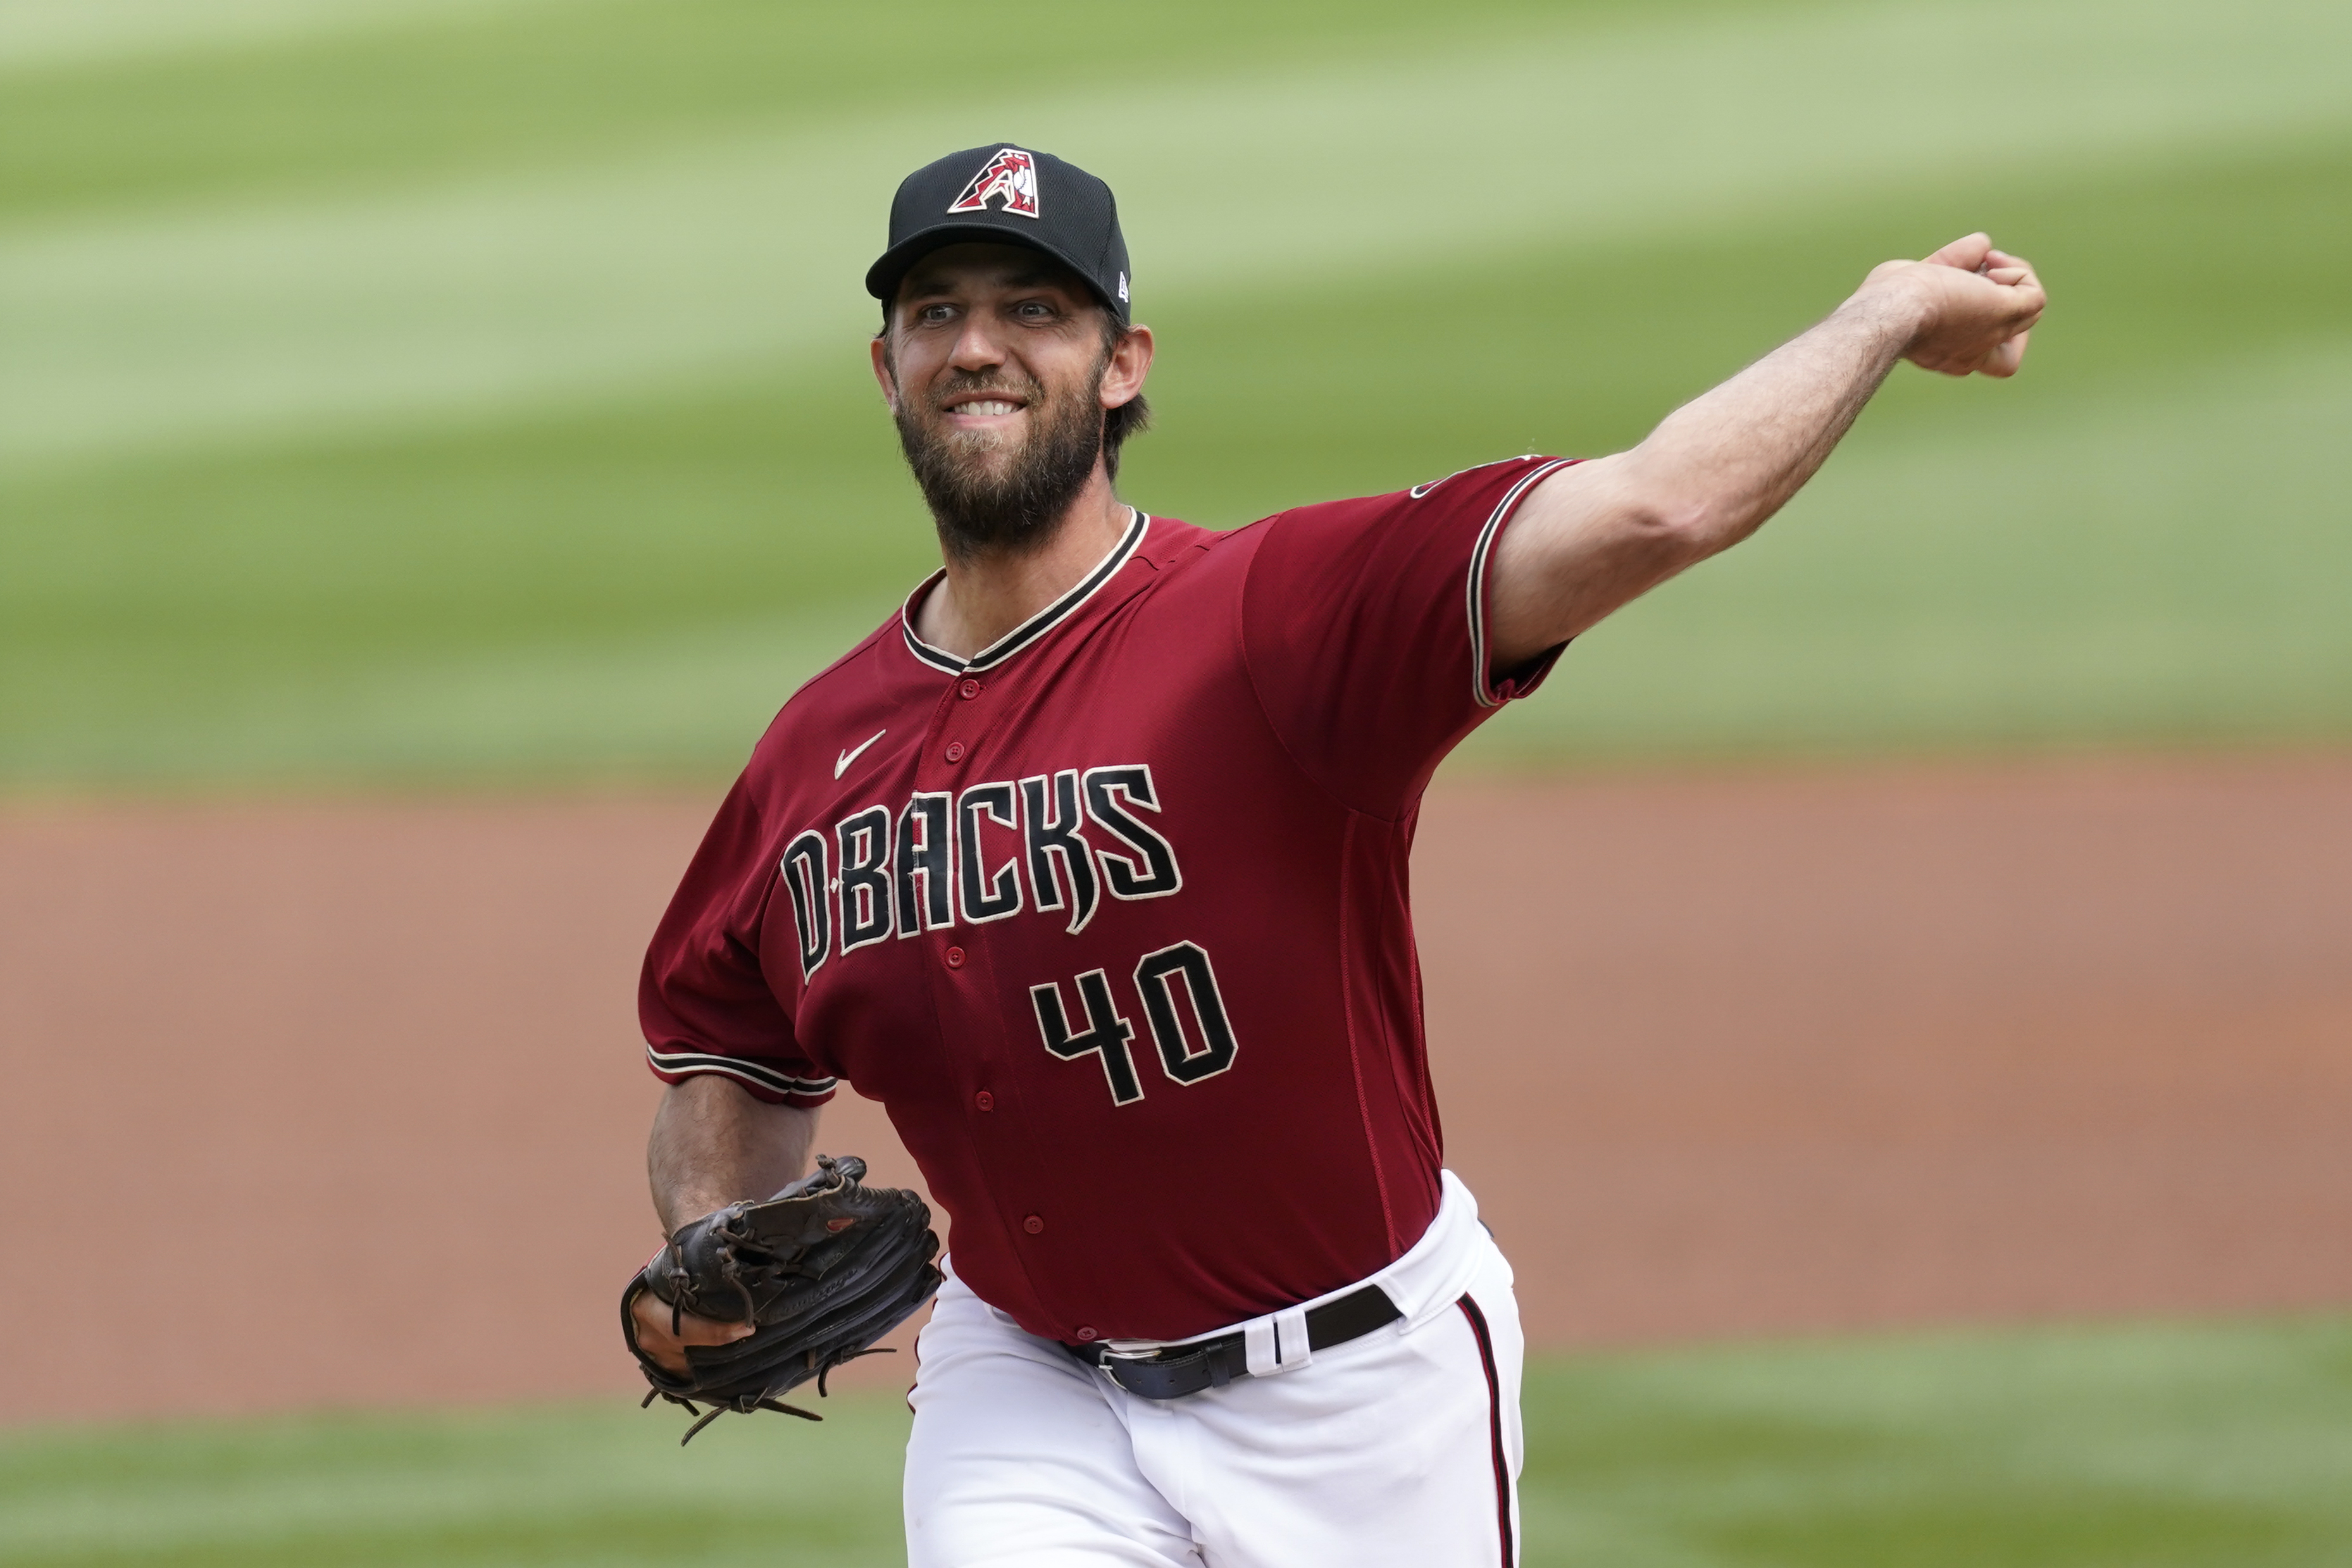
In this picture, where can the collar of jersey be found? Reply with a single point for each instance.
(1036, 625)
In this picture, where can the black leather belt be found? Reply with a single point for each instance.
(1180, 1369)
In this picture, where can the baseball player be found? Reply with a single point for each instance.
(1091, 866)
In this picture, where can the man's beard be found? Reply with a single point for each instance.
(991, 499)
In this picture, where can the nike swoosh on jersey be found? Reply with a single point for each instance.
(841, 763)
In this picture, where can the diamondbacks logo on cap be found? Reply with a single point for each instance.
(1012, 174)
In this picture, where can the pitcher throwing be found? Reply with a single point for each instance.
(1090, 865)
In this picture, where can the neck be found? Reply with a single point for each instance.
(985, 596)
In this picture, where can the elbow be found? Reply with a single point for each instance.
(1683, 530)
(1684, 513)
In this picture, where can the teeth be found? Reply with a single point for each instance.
(990, 405)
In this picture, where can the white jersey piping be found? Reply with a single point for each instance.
(774, 1082)
(1481, 687)
(1036, 625)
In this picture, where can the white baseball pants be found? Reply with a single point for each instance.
(1401, 1447)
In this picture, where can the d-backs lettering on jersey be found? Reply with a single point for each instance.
(990, 852)
(1112, 917)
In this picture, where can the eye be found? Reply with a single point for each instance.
(934, 314)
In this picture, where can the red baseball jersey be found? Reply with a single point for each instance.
(1112, 917)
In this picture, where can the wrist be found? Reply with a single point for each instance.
(1898, 302)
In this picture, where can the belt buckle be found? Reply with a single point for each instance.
(1113, 1363)
(1109, 1362)
(1106, 1355)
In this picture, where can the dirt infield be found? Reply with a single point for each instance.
(1721, 1056)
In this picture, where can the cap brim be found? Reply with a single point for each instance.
(882, 278)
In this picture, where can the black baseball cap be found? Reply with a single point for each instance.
(1004, 194)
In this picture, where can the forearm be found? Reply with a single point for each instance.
(1594, 536)
(1722, 464)
(712, 1143)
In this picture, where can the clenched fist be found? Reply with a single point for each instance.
(1974, 306)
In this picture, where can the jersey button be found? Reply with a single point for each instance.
(984, 1100)
(1084, 1333)
(954, 956)
(968, 690)
(955, 751)
(1033, 1225)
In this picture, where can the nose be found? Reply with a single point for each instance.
(976, 347)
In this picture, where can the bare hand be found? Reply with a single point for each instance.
(1975, 306)
(669, 1349)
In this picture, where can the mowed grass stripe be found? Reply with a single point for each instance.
(2183, 1446)
(47, 36)
(2137, 538)
(162, 101)
(2142, 1445)
(569, 1484)
(125, 333)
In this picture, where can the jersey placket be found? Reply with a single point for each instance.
(962, 970)
(955, 758)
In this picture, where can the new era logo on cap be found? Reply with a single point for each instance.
(1012, 174)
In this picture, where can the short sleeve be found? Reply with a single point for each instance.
(702, 1001)
(1364, 629)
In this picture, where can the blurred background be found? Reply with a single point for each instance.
(1906, 1049)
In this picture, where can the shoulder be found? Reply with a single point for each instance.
(841, 692)
(1449, 521)
(1169, 545)
(1176, 563)
(1477, 490)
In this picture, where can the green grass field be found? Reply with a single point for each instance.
(474, 392)
(2228, 1446)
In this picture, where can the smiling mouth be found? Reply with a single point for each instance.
(985, 406)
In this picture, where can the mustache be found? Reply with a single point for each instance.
(1026, 388)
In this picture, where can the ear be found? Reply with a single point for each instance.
(889, 383)
(1130, 363)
